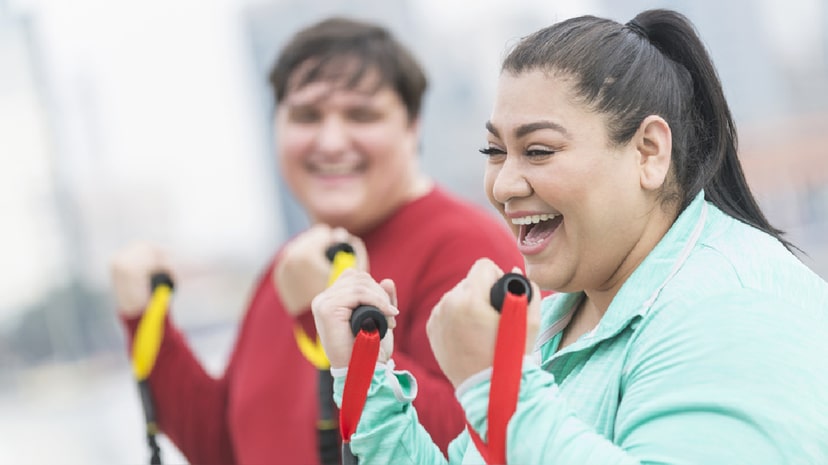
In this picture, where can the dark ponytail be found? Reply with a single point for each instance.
(654, 65)
(715, 138)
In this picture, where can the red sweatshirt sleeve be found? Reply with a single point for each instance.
(190, 405)
(437, 408)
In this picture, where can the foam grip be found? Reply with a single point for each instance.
(331, 251)
(161, 278)
(513, 283)
(150, 330)
(368, 318)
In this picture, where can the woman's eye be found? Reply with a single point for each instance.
(540, 152)
(491, 151)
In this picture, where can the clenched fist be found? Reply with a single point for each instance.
(462, 328)
(130, 270)
(333, 307)
(303, 270)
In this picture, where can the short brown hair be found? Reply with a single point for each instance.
(328, 50)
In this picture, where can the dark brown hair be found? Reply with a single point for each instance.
(654, 65)
(344, 50)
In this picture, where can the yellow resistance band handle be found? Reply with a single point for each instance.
(150, 330)
(342, 257)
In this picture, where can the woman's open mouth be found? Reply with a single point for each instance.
(536, 231)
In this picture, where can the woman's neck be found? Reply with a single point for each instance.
(584, 319)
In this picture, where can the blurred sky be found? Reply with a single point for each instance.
(124, 120)
(133, 120)
(140, 121)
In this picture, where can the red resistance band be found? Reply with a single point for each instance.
(505, 382)
(360, 371)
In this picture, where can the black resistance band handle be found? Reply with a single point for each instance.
(369, 318)
(348, 457)
(159, 278)
(513, 283)
(331, 251)
(156, 279)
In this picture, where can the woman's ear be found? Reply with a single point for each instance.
(654, 143)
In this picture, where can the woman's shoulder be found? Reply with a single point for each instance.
(741, 262)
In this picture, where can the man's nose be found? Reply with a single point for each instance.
(333, 135)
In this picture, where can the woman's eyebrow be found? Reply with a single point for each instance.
(527, 128)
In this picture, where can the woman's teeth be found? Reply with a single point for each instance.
(533, 219)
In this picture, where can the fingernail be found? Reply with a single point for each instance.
(395, 311)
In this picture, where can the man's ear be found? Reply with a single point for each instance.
(654, 143)
(415, 126)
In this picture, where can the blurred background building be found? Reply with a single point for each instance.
(150, 120)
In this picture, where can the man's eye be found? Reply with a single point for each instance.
(303, 115)
(364, 115)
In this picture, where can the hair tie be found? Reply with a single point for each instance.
(637, 28)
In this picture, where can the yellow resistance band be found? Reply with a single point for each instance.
(312, 350)
(150, 332)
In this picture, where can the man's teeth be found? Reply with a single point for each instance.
(334, 170)
(533, 219)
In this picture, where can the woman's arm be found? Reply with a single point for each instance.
(389, 430)
(713, 386)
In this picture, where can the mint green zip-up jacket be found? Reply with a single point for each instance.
(715, 351)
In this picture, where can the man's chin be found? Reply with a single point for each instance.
(337, 214)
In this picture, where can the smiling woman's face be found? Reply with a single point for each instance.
(574, 201)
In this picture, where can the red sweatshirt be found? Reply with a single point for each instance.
(263, 410)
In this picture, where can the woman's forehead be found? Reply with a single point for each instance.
(532, 94)
(535, 100)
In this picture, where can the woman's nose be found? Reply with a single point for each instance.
(510, 181)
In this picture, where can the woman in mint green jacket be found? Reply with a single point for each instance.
(683, 329)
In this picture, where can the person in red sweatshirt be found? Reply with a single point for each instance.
(347, 126)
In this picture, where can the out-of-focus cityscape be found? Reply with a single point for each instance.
(124, 121)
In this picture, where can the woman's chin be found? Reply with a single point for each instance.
(540, 274)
